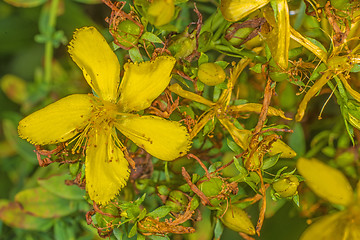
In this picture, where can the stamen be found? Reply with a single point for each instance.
(80, 140)
(132, 132)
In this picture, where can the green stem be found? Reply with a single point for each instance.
(49, 50)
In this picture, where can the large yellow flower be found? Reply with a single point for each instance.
(94, 120)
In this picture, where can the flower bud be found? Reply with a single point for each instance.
(234, 10)
(177, 201)
(128, 33)
(161, 12)
(237, 220)
(211, 74)
(286, 186)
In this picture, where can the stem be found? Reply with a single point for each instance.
(49, 50)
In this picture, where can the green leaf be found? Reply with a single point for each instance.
(155, 237)
(218, 230)
(160, 212)
(135, 55)
(355, 68)
(88, 1)
(317, 43)
(151, 37)
(233, 146)
(62, 231)
(257, 68)
(203, 59)
(142, 214)
(13, 215)
(26, 3)
(222, 64)
(42, 203)
(23, 148)
(56, 185)
(118, 234)
(271, 161)
(200, 85)
(133, 231)
(239, 166)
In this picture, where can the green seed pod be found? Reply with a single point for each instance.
(211, 74)
(177, 201)
(237, 220)
(128, 33)
(212, 188)
(105, 221)
(286, 186)
(239, 36)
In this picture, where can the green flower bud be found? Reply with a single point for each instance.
(237, 220)
(128, 33)
(177, 201)
(286, 186)
(211, 74)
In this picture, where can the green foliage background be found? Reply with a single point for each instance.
(25, 34)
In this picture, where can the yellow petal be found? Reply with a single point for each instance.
(234, 10)
(143, 82)
(166, 140)
(58, 121)
(99, 64)
(326, 228)
(327, 182)
(106, 168)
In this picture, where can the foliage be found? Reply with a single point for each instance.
(241, 71)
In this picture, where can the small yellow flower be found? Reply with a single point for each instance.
(95, 121)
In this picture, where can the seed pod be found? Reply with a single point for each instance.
(237, 220)
(177, 201)
(212, 188)
(128, 33)
(211, 74)
(239, 36)
(107, 222)
(286, 186)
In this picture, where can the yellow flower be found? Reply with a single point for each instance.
(95, 121)
(330, 184)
